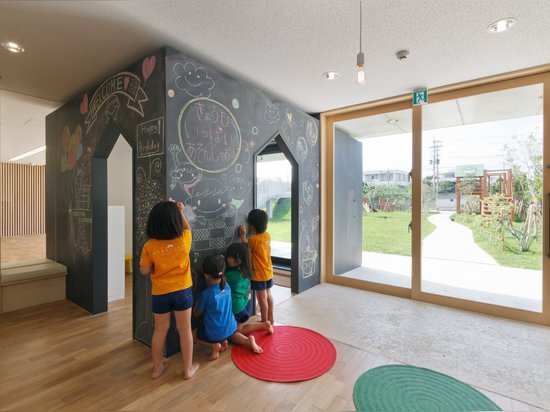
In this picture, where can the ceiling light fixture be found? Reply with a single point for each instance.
(501, 25)
(361, 77)
(13, 47)
(27, 154)
(392, 121)
(331, 75)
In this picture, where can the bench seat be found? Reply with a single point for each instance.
(29, 283)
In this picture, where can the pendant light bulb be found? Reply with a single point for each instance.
(361, 76)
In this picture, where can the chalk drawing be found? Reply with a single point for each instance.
(238, 189)
(235, 103)
(171, 93)
(193, 80)
(126, 84)
(84, 104)
(247, 152)
(214, 218)
(148, 66)
(287, 132)
(308, 253)
(301, 147)
(312, 132)
(150, 138)
(184, 174)
(272, 113)
(72, 147)
(254, 130)
(307, 192)
(209, 135)
(148, 193)
(112, 108)
(238, 168)
(289, 116)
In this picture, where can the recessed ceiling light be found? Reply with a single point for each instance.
(501, 25)
(331, 75)
(392, 121)
(13, 47)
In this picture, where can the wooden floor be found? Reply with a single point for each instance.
(57, 356)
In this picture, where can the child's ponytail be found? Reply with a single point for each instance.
(241, 252)
(214, 266)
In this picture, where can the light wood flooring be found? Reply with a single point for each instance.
(57, 356)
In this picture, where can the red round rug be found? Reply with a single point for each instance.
(291, 354)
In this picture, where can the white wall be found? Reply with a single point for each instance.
(23, 126)
(119, 182)
(115, 260)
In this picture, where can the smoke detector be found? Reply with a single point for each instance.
(402, 54)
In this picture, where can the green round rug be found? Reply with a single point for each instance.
(408, 388)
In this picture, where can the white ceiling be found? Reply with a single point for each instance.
(281, 47)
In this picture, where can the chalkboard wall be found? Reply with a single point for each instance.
(194, 134)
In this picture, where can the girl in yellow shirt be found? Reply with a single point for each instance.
(165, 257)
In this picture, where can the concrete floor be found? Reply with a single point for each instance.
(507, 359)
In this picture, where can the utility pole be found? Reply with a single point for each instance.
(436, 146)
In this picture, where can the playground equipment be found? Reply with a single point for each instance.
(484, 185)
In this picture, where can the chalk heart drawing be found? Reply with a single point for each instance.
(148, 66)
(289, 116)
(84, 104)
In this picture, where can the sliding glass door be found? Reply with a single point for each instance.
(482, 165)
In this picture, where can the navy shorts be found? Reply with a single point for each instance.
(242, 316)
(261, 285)
(178, 300)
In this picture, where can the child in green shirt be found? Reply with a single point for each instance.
(238, 276)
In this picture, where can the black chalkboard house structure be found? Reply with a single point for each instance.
(194, 134)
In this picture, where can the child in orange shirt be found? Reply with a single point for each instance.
(262, 270)
(165, 256)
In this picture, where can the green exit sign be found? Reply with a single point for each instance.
(420, 97)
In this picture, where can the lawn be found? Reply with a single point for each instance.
(388, 232)
(384, 232)
(279, 228)
(509, 255)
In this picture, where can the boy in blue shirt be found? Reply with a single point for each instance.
(219, 324)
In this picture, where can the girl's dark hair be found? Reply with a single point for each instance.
(164, 222)
(214, 266)
(241, 252)
(258, 219)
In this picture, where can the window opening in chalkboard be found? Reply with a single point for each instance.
(274, 180)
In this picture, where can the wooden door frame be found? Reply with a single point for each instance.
(535, 75)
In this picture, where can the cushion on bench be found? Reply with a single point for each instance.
(30, 272)
(21, 263)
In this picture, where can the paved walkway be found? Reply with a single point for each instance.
(453, 265)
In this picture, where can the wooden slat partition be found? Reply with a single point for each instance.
(22, 199)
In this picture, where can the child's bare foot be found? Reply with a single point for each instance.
(225, 345)
(158, 371)
(192, 370)
(251, 343)
(216, 347)
(269, 327)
